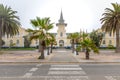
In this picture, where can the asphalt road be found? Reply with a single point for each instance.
(59, 71)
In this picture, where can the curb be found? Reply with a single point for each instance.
(58, 62)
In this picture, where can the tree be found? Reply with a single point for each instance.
(3, 42)
(12, 45)
(47, 44)
(9, 24)
(52, 42)
(96, 37)
(111, 22)
(83, 36)
(42, 26)
(27, 41)
(74, 39)
(88, 45)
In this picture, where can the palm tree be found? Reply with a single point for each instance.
(27, 41)
(42, 27)
(88, 45)
(52, 42)
(83, 36)
(9, 23)
(74, 39)
(47, 44)
(111, 22)
(3, 42)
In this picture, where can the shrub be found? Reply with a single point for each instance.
(110, 46)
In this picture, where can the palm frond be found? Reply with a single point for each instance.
(9, 21)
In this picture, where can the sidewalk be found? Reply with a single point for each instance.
(104, 56)
(58, 56)
(63, 55)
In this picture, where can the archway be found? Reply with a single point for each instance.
(61, 43)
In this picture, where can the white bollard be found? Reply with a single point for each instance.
(45, 52)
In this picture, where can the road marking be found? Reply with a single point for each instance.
(38, 65)
(64, 65)
(63, 77)
(112, 77)
(30, 72)
(65, 69)
(28, 75)
(50, 77)
(67, 72)
(33, 69)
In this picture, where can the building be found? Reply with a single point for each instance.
(60, 35)
(18, 40)
(108, 39)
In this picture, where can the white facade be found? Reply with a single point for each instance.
(61, 36)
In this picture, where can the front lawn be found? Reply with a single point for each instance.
(17, 49)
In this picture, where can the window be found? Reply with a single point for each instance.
(110, 42)
(61, 34)
(103, 41)
(17, 42)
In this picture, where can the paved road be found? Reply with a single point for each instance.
(59, 71)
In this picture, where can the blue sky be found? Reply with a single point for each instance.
(78, 14)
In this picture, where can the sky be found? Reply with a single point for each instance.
(78, 14)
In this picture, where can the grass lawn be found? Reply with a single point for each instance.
(106, 49)
(17, 49)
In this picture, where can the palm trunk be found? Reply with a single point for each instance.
(39, 48)
(42, 50)
(42, 53)
(48, 51)
(1, 31)
(51, 47)
(117, 40)
(73, 46)
(76, 47)
(77, 53)
(87, 54)
(0, 40)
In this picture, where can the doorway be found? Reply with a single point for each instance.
(61, 43)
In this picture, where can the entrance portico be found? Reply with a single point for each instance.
(61, 43)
